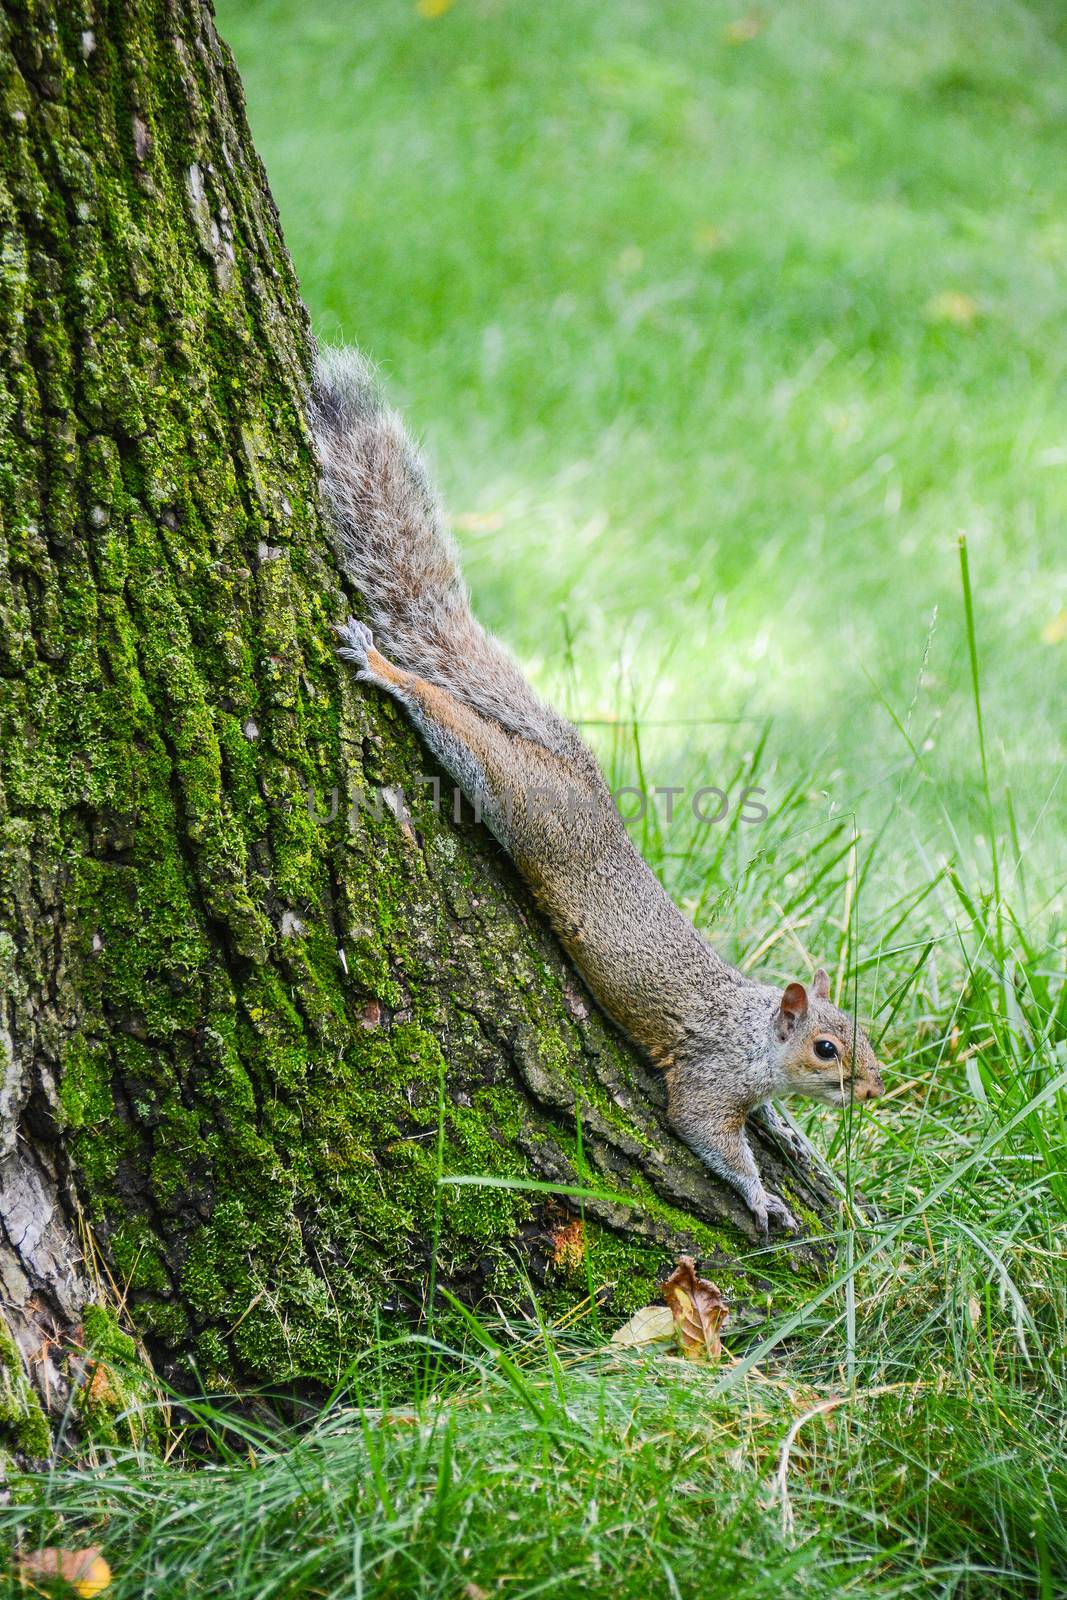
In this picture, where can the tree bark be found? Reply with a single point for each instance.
(248, 1012)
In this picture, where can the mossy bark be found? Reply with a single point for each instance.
(245, 1008)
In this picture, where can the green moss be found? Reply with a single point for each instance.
(85, 1087)
(134, 1250)
(23, 1424)
(118, 1399)
(631, 1270)
(104, 1338)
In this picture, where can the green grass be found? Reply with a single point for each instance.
(718, 343)
(670, 314)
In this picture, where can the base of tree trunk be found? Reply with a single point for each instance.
(249, 1012)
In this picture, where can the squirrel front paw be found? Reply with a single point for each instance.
(356, 640)
(780, 1128)
(779, 1213)
(768, 1208)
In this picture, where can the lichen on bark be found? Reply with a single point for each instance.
(237, 1019)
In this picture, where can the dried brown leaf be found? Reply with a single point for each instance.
(698, 1311)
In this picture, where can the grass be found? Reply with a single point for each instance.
(720, 330)
(716, 346)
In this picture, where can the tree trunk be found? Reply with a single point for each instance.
(232, 981)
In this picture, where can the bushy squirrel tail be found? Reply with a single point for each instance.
(393, 546)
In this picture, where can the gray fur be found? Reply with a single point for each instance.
(727, 1043)
(394, 546)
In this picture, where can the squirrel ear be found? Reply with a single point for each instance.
(820, 984)
(793, 1008)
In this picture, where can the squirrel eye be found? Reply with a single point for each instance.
(826, 1049)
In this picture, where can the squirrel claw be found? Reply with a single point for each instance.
(779, 1213)
(356, 640)
(773, 1212)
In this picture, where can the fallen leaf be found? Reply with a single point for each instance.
(433, 8)
(744, 29)
(709, 239)
(698, 1311)
(650, 1325)
(84, 1571)
(1055, 631)
(952, 306)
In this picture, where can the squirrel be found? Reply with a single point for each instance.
(727, 1043)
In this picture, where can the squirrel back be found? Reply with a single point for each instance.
(728, 1043)
(393, 546)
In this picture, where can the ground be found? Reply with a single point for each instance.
(720, 329)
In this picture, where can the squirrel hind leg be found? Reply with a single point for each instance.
(482, 673)
(394, 545)
(357, 646)
(356, 641)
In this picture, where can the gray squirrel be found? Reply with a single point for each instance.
(727, 1043)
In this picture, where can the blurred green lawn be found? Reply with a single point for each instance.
(718, 329)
